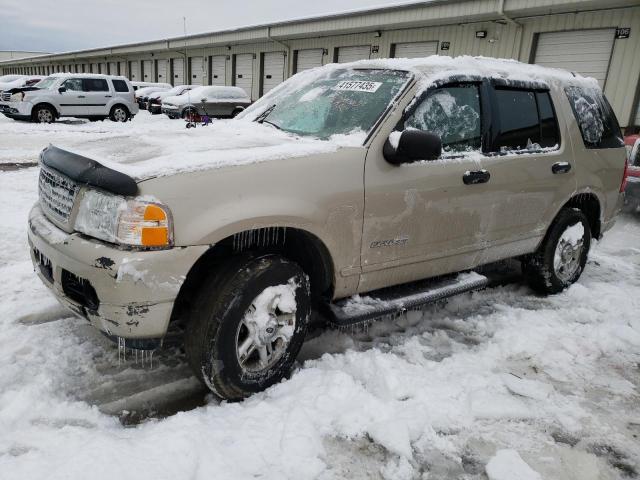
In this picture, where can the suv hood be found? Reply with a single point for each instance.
(223, 144)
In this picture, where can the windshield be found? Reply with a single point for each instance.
(46, 83)
(331, 102)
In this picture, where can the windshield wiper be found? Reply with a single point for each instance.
(271, 123)
(263, 116)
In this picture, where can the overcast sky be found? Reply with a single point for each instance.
(63, 25)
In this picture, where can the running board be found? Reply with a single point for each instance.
(394, 300)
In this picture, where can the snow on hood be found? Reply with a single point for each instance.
(224, 143)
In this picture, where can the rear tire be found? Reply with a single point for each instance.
(247, 325)
(561, 257)
(119, 113)
(44, 114)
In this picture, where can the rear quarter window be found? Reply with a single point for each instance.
(596, 120)
(120, 86)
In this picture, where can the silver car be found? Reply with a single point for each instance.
(213, 101)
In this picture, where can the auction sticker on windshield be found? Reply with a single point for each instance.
(358, 86)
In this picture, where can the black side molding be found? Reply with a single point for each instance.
(88, 172)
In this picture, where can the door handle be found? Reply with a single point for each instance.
(561, 167)
(476, 177)
(107, 96)
(81, 96)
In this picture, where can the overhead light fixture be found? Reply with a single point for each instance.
(377, 33)
(481, 34)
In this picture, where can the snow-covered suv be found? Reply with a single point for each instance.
(353, 191)
(95, 97)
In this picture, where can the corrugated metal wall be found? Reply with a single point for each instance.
(504, 39)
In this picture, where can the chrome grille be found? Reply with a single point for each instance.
(5, 96)
(57, 194)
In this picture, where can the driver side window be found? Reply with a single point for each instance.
(453, 113)
(73, 84)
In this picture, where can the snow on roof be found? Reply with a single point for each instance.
(438, 67)
(84, 75)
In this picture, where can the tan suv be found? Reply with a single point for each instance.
(351, 191)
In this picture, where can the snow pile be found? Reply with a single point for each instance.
(508, 465)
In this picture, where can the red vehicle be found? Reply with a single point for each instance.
(632, 142)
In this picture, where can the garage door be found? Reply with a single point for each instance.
(219, 70)
(273, 70)
(584, 51)
(95, 68)
(103, 68)
(134, 71)
(244, 72)
(178, 71)
(123, 68)
(415, 49)
(197, 71)
(352, 54)
(309, 58)
(162, 71)
(147, 71)
(113, 68)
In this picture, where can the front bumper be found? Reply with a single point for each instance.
(123, 293)
(171, 112)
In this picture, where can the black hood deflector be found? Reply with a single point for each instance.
(88, 172)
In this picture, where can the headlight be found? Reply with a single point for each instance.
(17, 97)
(126, 221)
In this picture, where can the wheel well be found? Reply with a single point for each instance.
(297, 245)
(45, 104)
(589, 204)
(119, 105)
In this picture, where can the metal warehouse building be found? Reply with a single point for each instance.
(599, 38)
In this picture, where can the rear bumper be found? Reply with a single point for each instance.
(123, 293)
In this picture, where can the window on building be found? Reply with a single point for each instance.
(453, 113)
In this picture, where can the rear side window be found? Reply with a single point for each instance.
(596, 120)
(95, 85)
(120, 86)
(526, 121)
(453, 113)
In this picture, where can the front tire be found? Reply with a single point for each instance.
(248, 324)
(119, 113)
(44, 114)
(561, 257)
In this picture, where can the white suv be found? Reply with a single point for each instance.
(95, 97)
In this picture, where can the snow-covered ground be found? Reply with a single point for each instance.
(500, 384)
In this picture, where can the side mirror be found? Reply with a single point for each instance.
(62, 89)
(412, 146)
